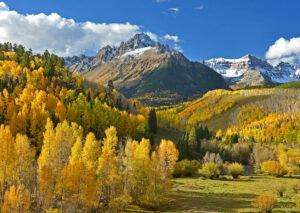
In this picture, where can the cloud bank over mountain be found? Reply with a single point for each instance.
(284, 50)
(61, 35)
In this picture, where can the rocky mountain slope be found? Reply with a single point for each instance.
(154, 73)
(250, 71)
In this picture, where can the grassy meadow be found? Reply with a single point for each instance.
(196, 195)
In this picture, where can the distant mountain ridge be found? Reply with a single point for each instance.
(250, 71)
(154, 73)
(134, 47)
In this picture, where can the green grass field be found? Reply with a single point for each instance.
(195, 195)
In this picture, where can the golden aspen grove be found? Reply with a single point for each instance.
(68, 145)
(71, 145)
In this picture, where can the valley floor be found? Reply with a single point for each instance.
(196, 195)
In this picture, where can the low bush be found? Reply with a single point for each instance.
(241, 153)
(235, 170)
(186, 168)
(210, 170)
(296, 187)
(265, 203)
(280, 189)
(272, 168)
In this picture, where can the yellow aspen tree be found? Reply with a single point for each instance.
(129, 164)
(162, 165)
(38, 118)
(156, 190)
(109, 180)
(77, 131)
(48, 149)
(77, 185)
(141, 164)
(16, 200)
(91, 151)
(8, 157)
(64, 141)
(61, 112)
(46, 183)
(76, 151)
(24, 164)
(167, 155)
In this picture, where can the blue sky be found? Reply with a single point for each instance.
(205, 28)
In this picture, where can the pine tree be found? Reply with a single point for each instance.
(206, 133)
(110, 86)
(183, 148)
(152, 121)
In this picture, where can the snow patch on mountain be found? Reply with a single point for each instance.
(234, 70)
(136, 52)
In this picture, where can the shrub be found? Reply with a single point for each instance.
(211, 146)
(210, 170)
(186, 168)
(265, 203)
(261, 154)
(272, 168)
(235, 170)
(296, 187)
(280, 189)
(241, 152)
(212, 157)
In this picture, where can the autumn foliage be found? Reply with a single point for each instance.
(69, 145)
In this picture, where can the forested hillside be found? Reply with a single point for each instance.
(69, 145)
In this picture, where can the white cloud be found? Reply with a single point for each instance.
(60, 35)
(174, 9)
(174, 39)
(201, 7)
(284, 50)
(170, 37)
(3, 6)
(152, 36)
(178, 48)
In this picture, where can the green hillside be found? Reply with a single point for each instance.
(290, 85)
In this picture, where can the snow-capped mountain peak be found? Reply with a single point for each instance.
(129, 50)
(240, 70)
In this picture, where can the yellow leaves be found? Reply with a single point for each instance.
(91, 151)
(250, 114)
(47, 153)
(16, 200)
(272, 128)
(290, 160)
(76, 151)
(25, 159)
(111, 139)
(273, 168)
(167, 155)
(77, 184)
(7, 153)
(219, 133)
(45, 185)
(61, 111)
(9, 54)
(10, 68)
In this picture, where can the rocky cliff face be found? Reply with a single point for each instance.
(250, 71)
(155, 73)
(135, 46)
